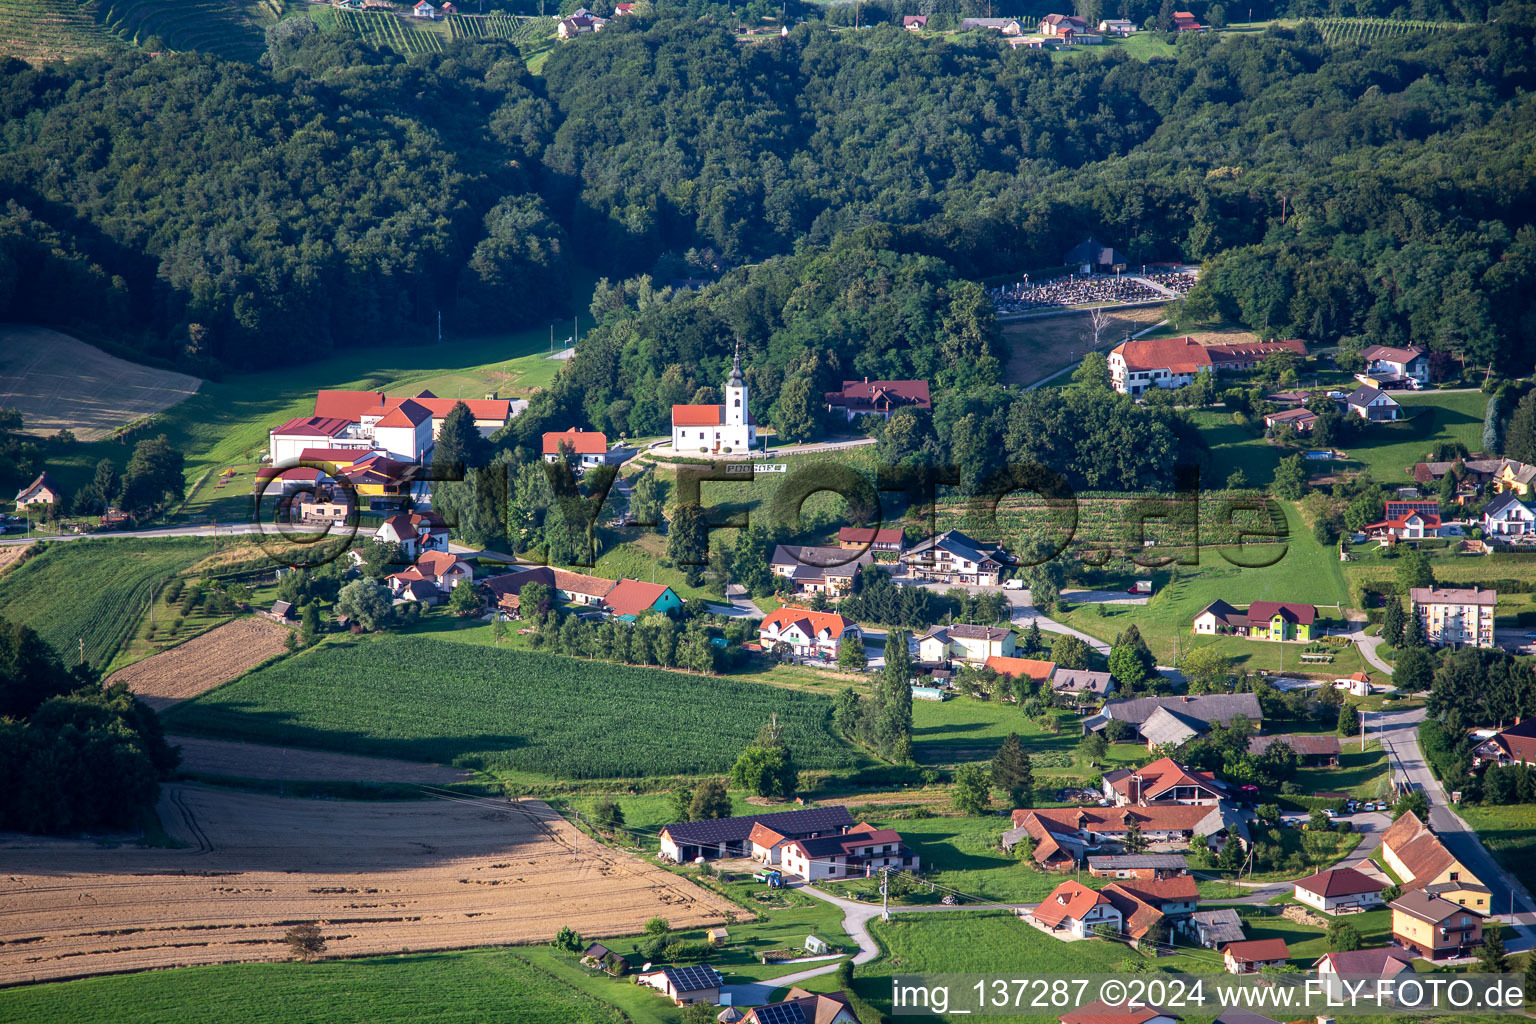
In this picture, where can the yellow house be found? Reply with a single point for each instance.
(1514, 476)
(1434, 928)
(1416, 855)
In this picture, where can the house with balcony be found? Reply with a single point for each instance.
(1455, 617)
(861, 851)
(968, 643)
(953, 557)
(1435, 928)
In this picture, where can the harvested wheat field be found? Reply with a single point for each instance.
(212, 659)
(59, 382)
(378, 876)
(256, 761)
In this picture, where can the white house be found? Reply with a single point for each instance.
(974, 644)
(1117, 27)
(1384, 962)
(405, 431)
(1507, 516)
(861, 851)
(443, 569)
(582, 448)
(952, 557)
(808, 633)
(1074, 908)
(424, 10)
(725, 428)
(1339, 889)
(415, 533)
(1401, 362)
(42, 491)
(288, 442)
(1372, 405)
(1253, 955)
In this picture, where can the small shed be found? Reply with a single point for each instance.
(815, 945)
(717, 936)
(283, 611)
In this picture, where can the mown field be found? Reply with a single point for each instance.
(448, 988)
(547, 715)
(94, 590)
(1509, 832)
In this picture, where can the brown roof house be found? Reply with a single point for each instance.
(1311, 749)
(878, 397)
(1339, 889)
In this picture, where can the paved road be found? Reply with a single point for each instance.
(1399, 735)
(202, 530)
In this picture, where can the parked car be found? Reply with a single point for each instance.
(1013, 584)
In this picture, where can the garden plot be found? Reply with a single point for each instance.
(378, 876)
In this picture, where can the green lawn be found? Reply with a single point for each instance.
(1302, 570)
(1357, 775)
(1509, 832)
(527, 713)
(465, 987)
(1307, 944)
(966, 729)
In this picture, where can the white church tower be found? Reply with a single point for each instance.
(736, 394)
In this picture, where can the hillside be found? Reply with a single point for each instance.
(47, 30)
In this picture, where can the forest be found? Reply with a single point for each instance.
(218, 214)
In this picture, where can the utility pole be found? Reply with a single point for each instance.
(885, 894)
(82, 650)
(1363, 728)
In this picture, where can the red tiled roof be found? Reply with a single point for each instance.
(698, 415)
(582, 442)
(869, 535)
(1160, 818)
(496, 409)
(346, 405)
(312, 426)
(409, 413)
(1519, 741)
(1159, 777)
(1068, 900)
(764, 836)
(1263, 611)
(812, 622)
(1252, 951)
(1339, 882)
(1177, 355)
(1179, 889)
(1013, 668)
(1100, 1012)
(437, 562)
(1137, 915)
(581, 583)
(881, 394)
(632, 597)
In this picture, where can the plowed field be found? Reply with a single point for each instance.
(378, 876)
(206, 661)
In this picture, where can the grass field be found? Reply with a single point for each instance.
(1040, 346)
(543, 714)
(1305, 571)
(92, 590)
(966, 729)
(1509, 832)
(466, 987)
(1387, 450)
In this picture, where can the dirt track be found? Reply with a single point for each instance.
(255, 761)
(206, 661)
(60, 382)
(380, 877)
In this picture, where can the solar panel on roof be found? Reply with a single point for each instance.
(693, 979)
(781, 1013)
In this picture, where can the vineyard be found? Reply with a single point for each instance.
(1364, 31)
(230, 28)
(91, 590)
(500, 26)
(427, 700)
(380, 29)
(47, 30)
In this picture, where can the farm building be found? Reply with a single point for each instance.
(859, 852)
(729, 837)
(685, 985)
(1310, 748)
(889, 539)
(1138, 865)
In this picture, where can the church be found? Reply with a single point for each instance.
(717, 429)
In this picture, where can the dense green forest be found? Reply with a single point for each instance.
(228, 214)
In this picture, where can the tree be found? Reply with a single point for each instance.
(1530, 979)
(893, 704)
(1164, 20)
(568, 939)
(1092, 374)
(797, 412)
(1416, 801)
(1207, 670)
(1128, 667)
(1033, 643)
(607, 813)
(765, 767)
(1134, 841)
(688, 539)
(710, 801)
(682, 804)
(1290, 480)
(305, 940)
(107, 484)
(657, 926)
(850, 655)
(309, 623)
(1493, 422)
(1343, 937)
(973, 792)
(154, 475)
(1392, 622)
(1491, 958)
(1012, 772)
(464, 599)
(460, 445)
(30, 671)
(1413, 570)
(366, 603)
(1068, 651)
(1520, 436)
(1349, 719)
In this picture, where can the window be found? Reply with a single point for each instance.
(737, 403)
(1455, 876)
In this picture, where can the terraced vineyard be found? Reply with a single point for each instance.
(48, 30)
(230, 28)
(1364, 31)
(388, 30)
(499, 26)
